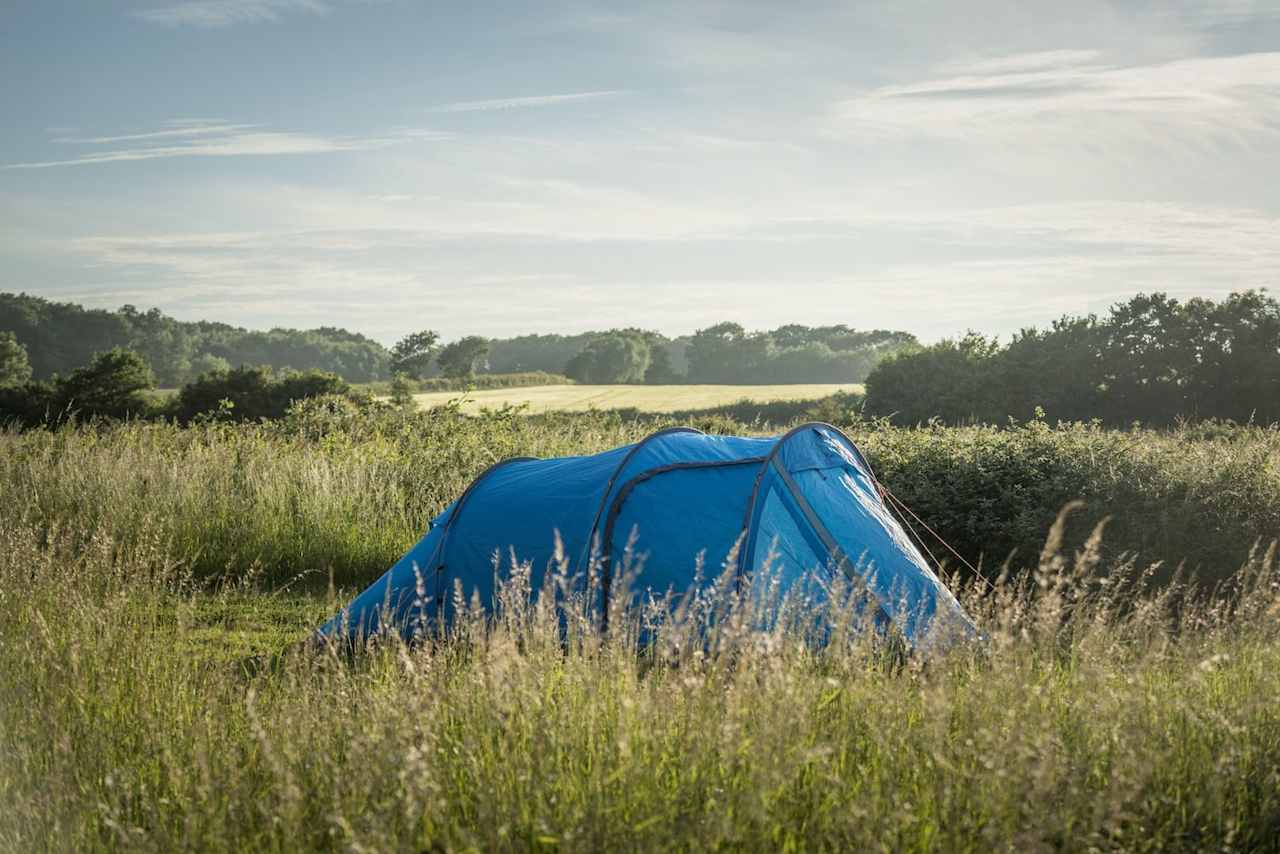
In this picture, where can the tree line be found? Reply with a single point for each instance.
(62, 337)
(725, 353)
(1152, 359)
(116, 384)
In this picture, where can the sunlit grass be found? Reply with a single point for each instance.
(133, 717)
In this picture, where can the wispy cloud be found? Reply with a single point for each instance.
(171, 129)
(1033, 94)
(222, 139)
(516, 103)
(225, 13)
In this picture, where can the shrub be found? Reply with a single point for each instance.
(249, 394)
(484, 381)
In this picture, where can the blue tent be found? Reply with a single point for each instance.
(807, 503)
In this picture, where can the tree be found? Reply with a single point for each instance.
(252, 393)
(947, 380)
(60, 337)
(15, 368)
(460, 359)
(413, 353)
(616, 357)
(1237, 367)
(402, 389)
(1060, 369)
(711, 353)
(110, 386)
(207, 363)
(661, 371)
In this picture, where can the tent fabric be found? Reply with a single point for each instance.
(676, 506)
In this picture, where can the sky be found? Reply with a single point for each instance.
(498, 169)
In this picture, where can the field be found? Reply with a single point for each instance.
(648, 398)
(155, 580)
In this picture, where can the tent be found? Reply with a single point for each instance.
(806, 503)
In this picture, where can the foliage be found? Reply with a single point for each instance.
(459, 359)
(727, 353)
(486, 381)
(611, 358)
(1152, 359)
(402, 391)
(525, 353)
(140, 714)
(250, 394)
(60, 337)
(550, 353)
(412, 355)
(348, 489)
(946, 377)
(207, 363)
(112, 385)
(15, 368)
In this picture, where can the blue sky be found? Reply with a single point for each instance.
(388, 165)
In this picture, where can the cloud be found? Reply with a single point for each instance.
(990, 268)
(221, 139)
(225, 13)
(175, 128)
(1038, 96)
(515, 103)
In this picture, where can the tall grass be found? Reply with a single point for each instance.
(1081, 726)
(345, 493)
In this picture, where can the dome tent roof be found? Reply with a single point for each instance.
(805, 502)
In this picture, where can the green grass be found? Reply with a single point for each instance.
(134, 717)
(343, 494)
(154, 583)
(646, 398)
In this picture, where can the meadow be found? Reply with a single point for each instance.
(647, 398)
(155, 581)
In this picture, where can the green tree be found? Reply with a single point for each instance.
(412, 354)
(712, 353)
(207, 363)
(460, 359)
(947, 380)
(616, 357)
(1060, 370)
(110, 386)
(1237, 365)
(402, 389)
(15, 368)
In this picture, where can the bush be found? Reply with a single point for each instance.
(112, 385)
(351, 488)
(485, 381)
(249, 394)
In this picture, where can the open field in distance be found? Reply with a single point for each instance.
(649, 398)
